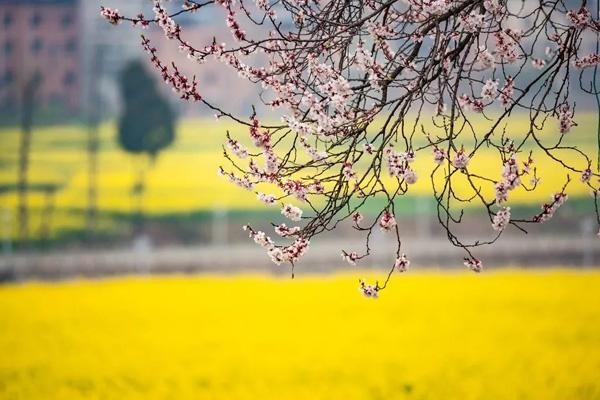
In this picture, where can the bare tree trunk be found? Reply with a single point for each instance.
(138, 198)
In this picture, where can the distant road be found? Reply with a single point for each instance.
(323, 256)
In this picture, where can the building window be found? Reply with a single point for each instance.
(8, 77)
(56, 98)
(37, 45)
(67, 20)
(8, 48)
(69, 78)
(36, 20)
(7, 20)
(71, 46)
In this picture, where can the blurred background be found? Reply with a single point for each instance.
(103, 172)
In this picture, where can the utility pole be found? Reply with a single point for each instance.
(27, 109)
(93, 142)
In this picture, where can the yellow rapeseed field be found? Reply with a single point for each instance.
(509, 334)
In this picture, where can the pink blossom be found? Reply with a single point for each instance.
(505, 47)
(276, 255)
(111, 15)
(549, 209)
(501, 192)
(296, 250)
(236, 148)
(410, 176)
(485, 58)
(538, 63)
(489, 91)
(387, 221)
(467, 102)
(507, 92)
(266, 198)
(473, 264)
(461, 159)
(284, 230)
(501, 219)
(580, 18)
(371, 291)
(292, 212)
(438, 155)
(586, 175)
(263, 240)
(169, 26)
(472, 22)
(357, 218)
(347, 171)
(565, 118)
(402, 263)
(589, 60)
(350, 258)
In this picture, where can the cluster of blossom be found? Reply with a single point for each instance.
(299, 190)
(350, 258)
(368, 290)
(472, 22)
(548, 209)
(580, 18)
(489, 91)
(291, 212)
(461, 159)
(507, 92)
(586, 175)
(284, 230)
(111, 15)
(439, 155)
(589, 60)
(238, 33)
(538, 63)
(485, 58)
(436, 7)
(243, 182)
(292, 253)
(565, 118)
(365, 63)
(296, 250)
(268, 199)
(399, 165)
(402, 263)
(279, 254)
(260, 139)
(262, 240)
(387, 221)
(347, 171)
(494, 7)
(315, 154)
(331, 76)
(469, 103)
(506, 46)
(236, 148)
(511, 176)
(188, 89)
(172, 30)
(189, 5)
(501, 219)
(473, 264)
